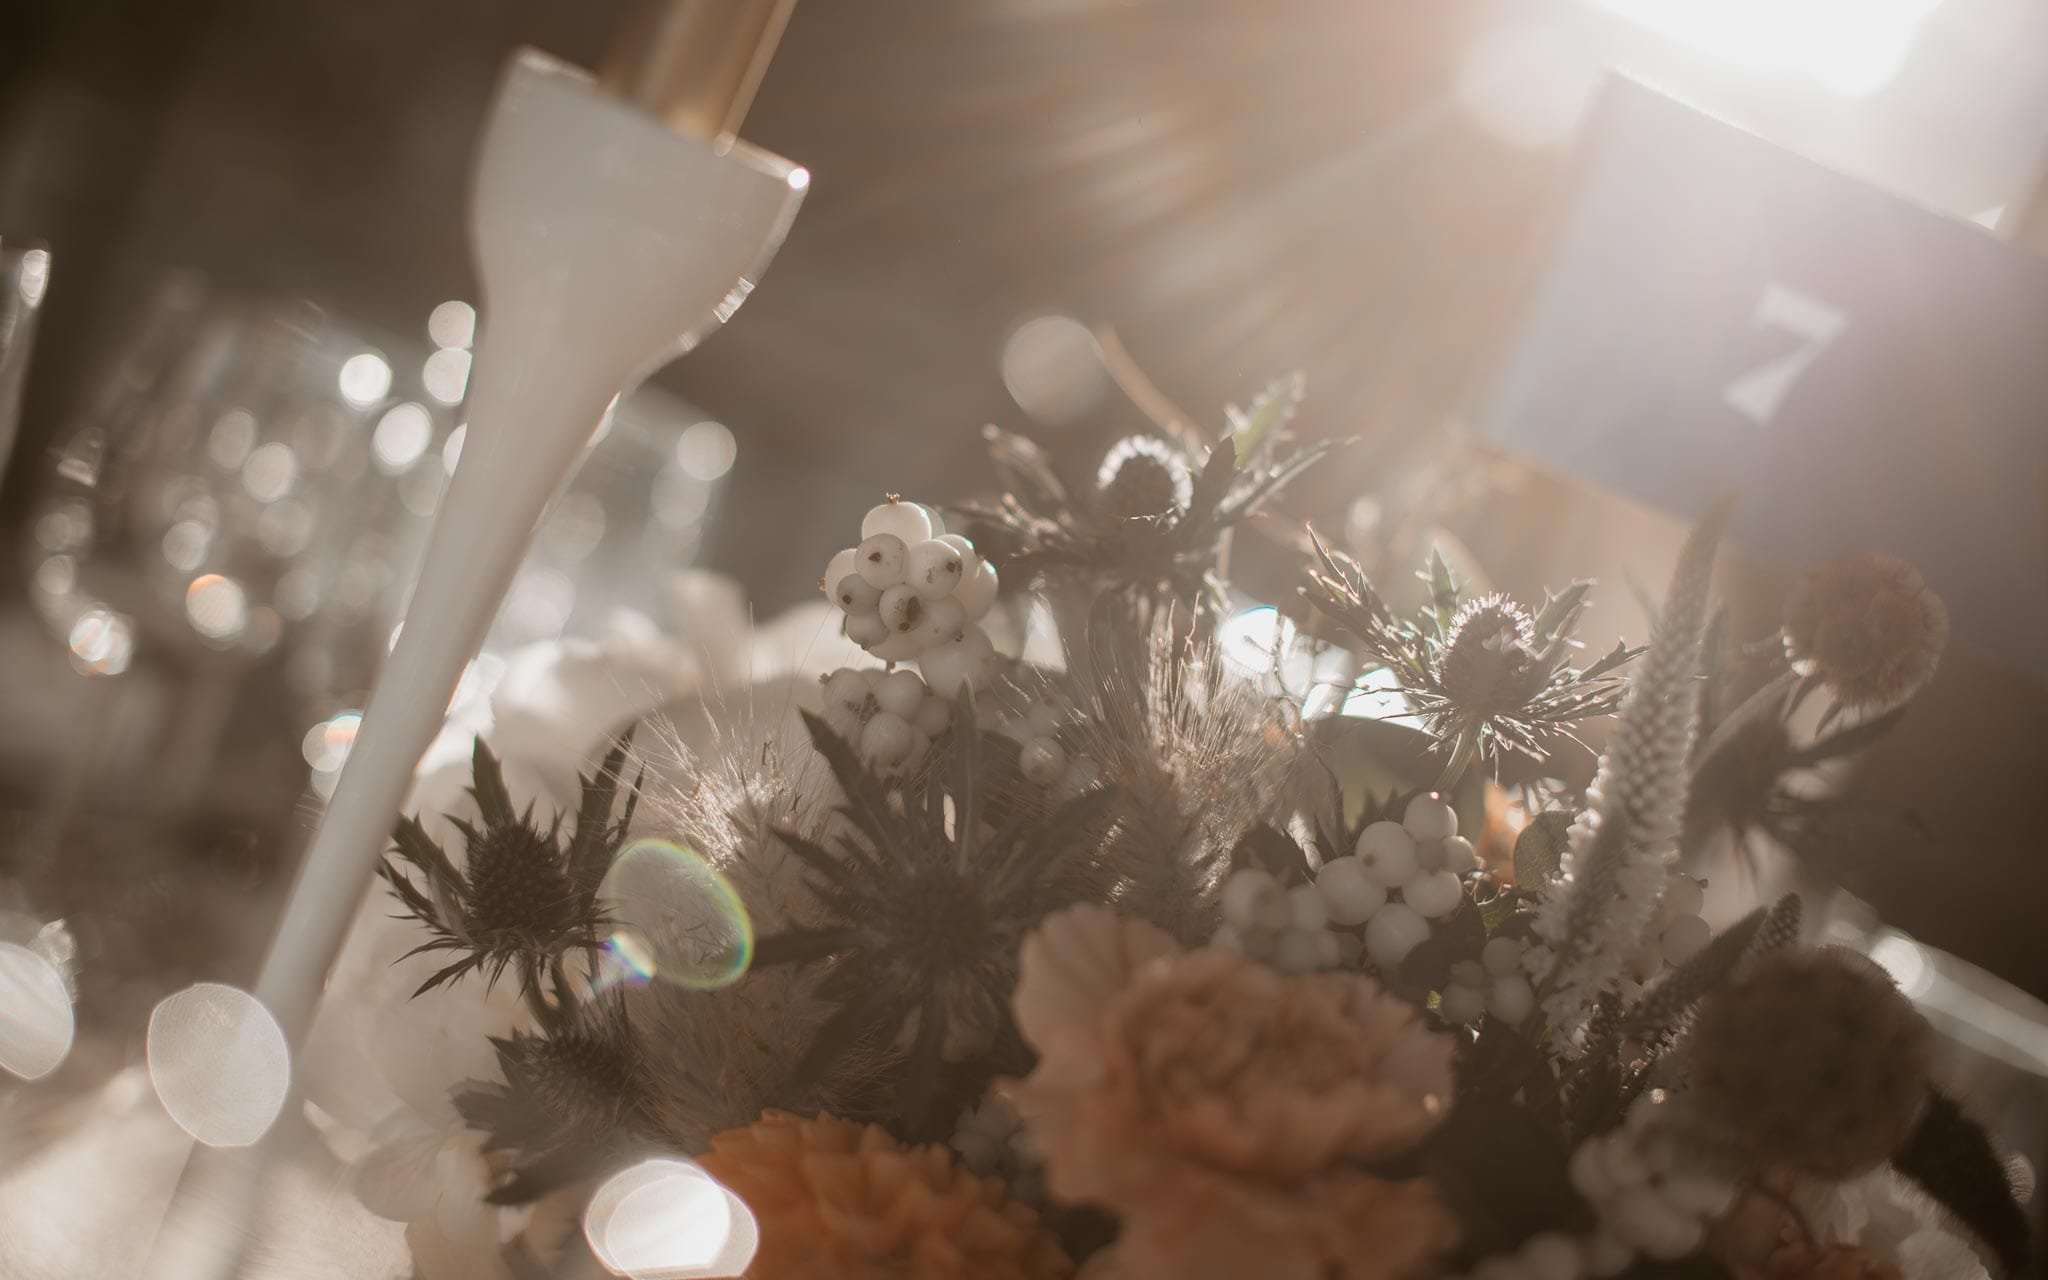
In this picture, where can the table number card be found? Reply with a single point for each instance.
(1721, 314)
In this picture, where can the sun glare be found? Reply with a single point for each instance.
(1851, 47)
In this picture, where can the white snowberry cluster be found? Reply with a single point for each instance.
(1547, 1255)
(1402, 875)
(912, 590)
(1676, 933)
(1495, 983)
(1040, 755)
(1288, 929)
(891, 716)
(1648, 1199)
(993, 1142)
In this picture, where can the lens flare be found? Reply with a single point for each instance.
(402, 435)
(219, 1063)
(706, 450)
(217, 607)
(452, 324)
(669, 1220)
(446, 375)
(35, 1013)
(102, 642)
(365, 378)
(674, 918)
(1053, 368)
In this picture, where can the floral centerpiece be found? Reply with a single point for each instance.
(1111, 964)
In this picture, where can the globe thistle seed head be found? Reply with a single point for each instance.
(578, 1076)
(939, 918)
(523, 896)
(1143, 476)
(1486, 677)
(568, 1104)
(1809, 1061)
(1868, 627)
(1488, 657)
(1150, 522)
(919, 895)
(516, 885)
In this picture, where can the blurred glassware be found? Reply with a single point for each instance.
(250, 490)
(598, 587)
(219, 494)
(634, 511)
(24, 278)
(1993, 1037)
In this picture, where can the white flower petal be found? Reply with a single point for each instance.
(1076, 961)
(400, 1179)
(436, 1255)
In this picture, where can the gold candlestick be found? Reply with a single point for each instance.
(695, 63)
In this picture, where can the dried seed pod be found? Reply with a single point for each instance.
(1810, 1061)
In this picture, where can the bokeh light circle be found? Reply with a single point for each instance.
(669, 1220)
(365, 378)
(217, 607)
(219, 1063)
(1053, 368)
(446, 375)
(36, 1023)
(674, 918)
(102, 642)
(452, 324)
(402, 435)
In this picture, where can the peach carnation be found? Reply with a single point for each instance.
(841, 1201)
(1224, 1110)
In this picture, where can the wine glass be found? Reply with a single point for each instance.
(24, 277)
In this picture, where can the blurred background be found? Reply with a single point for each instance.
(254, 302)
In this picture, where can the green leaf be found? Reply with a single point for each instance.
(966, 813)
(1271, 410)
(1025, 468)
(877, 1012)
(1504, 1065)
(1273, 851)
(421, 850)
(1495, 912)
(1696, 1266)
(1673, 997)
(866, 806)
(1427, 967)
(1848, 741)
(1271, 480)
(1443, 592)
(487, 784)
(1619, 655)
(1214, 482)
(799, 946)
(1539, 850)
(442, 977)
(1466, 929)
(920, 1071)
(1339, 589)
(1953, 1160)
(1503, 1172)
(1559, 612)
(591, 846)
